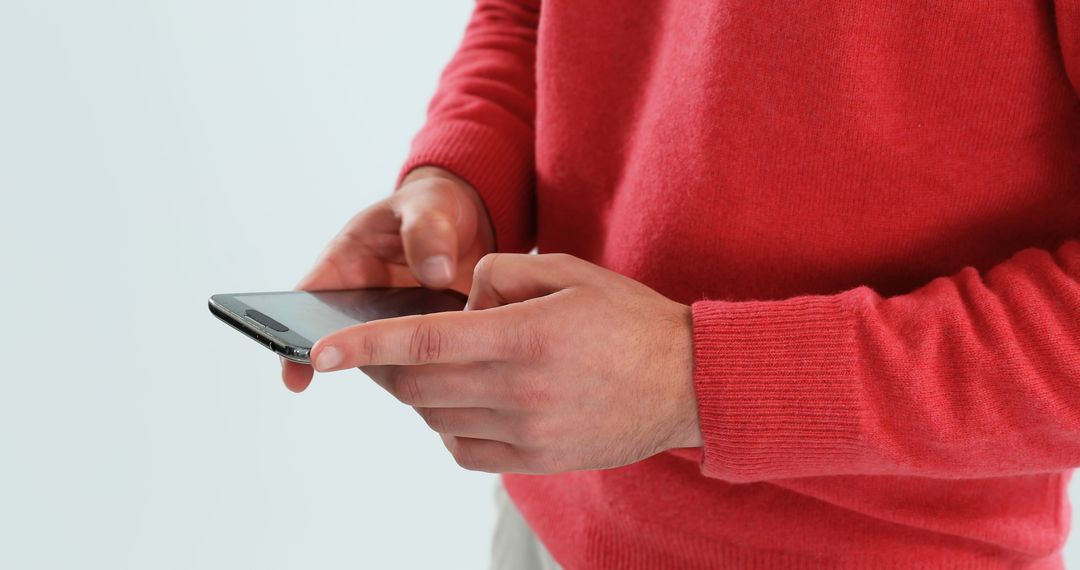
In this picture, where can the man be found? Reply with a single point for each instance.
(807, 286)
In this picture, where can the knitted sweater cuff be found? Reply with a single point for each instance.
(776, 387)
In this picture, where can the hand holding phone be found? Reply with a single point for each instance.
(431, 232)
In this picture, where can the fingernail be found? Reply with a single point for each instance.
(435, 269)
(329, 357)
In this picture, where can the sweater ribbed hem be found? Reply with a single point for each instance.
(499, 167)
(776, 388)
(584, 538)
(690, 555)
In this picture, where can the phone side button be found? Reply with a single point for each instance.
(266, 321)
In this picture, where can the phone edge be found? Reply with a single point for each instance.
(265, 340)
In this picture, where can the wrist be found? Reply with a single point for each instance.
(686, 431)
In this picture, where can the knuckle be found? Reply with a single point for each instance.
(368, 348)
(426, 220)
(428, 342)
(484, 267)
(534, 431)
(435, 419)
(565, 259)
(529, 396)
(407, 387)
(466, 458)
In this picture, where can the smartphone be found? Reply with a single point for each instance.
(290, 322)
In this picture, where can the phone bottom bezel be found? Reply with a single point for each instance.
(262, 335)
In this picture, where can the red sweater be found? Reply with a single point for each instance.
(873, 208)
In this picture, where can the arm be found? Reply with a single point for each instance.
(971, 376)
(480, 122)
(974, 375)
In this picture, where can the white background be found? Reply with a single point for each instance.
(153, 153)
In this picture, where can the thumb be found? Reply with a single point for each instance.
(504, 278)
(435, 226)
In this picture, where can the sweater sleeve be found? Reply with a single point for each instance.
(480, 121)
(973, 375)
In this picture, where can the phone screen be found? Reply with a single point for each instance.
(314, 315)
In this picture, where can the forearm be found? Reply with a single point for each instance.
(973, 375)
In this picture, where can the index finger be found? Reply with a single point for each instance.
(451, 337)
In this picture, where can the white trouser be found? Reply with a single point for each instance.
(515, 546)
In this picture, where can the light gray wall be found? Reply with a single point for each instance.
(153, 152)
